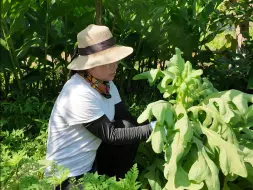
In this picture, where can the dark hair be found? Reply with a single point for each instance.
(72, 72)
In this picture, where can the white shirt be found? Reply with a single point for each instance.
(69, 143)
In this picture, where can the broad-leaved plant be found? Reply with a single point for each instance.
(202, 133)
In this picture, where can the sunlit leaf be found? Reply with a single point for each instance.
(151, 75)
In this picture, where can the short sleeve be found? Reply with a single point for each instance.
(115, 93)
(79, 108)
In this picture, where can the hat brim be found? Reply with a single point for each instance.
(107, 56)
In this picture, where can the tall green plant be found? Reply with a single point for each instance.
(154, 28)
(37, 40)
(200, 131)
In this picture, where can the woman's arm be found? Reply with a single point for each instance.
(122, 113)
(118, 132)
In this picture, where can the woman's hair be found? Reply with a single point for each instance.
(72, 72)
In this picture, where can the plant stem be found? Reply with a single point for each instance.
(46, 43)
(66, 49)
(116, 12)
(13, 57)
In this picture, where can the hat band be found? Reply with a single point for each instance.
(97, 47)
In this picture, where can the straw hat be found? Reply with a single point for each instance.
(97, 47)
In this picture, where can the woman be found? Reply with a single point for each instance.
(89, 110)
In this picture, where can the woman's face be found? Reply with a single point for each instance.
(104, 72)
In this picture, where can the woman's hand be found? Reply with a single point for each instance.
(153, 124)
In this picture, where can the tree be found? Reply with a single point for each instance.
(98, 6)
(242, 25)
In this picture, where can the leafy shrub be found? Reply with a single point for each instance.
(101, 182)
(26, 113)
(202, 133)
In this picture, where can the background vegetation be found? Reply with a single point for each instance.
(38, 37)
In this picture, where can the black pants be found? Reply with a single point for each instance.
(115, 160)
(66, 182)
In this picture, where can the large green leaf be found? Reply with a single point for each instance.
(200, 89)
(180, 79)
(249, 114)
(164, 114)
(162, 110)
(180, 181)
(154, 179)
(180, 141)
(204, 169)
(250, 173)
(176, 64)
(187, 70)
(247, 149)
(230, 157)
(165, 85)
(168, 78)
(158, 138)
(224, 100)
(151, 75)
(154, 176)
(214, 121)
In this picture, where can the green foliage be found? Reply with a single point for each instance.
(27, 113)
(23, 142)
(220, 42)
(98, 182)
(37, 38)
(199, 130)
(22, 161)
(19, 171)
(151, 167)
